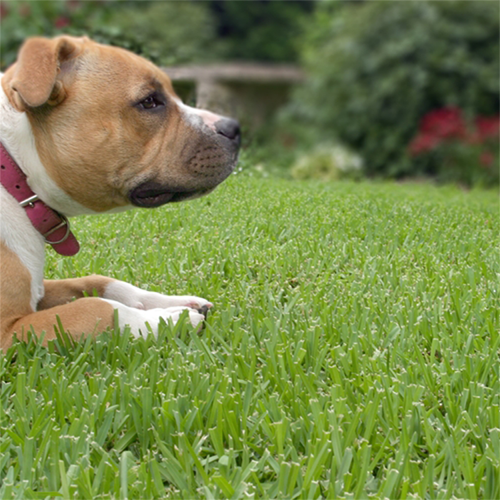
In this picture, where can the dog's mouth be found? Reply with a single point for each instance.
(152, 195)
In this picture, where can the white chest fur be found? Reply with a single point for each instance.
(16, 230)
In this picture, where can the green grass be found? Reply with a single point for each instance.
(353, 352)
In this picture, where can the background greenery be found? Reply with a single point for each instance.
(390, 63)
(374, 68)
(167, 32)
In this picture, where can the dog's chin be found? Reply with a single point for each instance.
(151, 195)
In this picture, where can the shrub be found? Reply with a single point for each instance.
(167, 32)
(164, 32)
(461, 150)
(260, 30)
(328, 163)
(377, 68)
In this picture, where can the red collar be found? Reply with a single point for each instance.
(53, 226)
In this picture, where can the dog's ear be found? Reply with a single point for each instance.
(33, 80)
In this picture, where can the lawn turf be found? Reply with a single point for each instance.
(352, 352)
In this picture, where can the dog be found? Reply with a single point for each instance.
(87, 128)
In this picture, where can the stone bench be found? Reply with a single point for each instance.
(246, 91)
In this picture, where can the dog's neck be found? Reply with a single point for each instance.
(50, 224)
(17, 136)
(21, 166)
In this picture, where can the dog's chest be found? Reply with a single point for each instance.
(19, 235)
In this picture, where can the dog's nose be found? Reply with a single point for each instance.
(228, 128)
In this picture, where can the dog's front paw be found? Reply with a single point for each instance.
(197, 303)
(141, 299)
(152, 300)
(173, 314)
(143, 322)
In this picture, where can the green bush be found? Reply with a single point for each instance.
(260, 30)
(328, 162)
(164, 32)
(376, 68)
(465, 151)
(167, 32)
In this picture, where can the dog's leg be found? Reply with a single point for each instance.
(135, 306)
(91, 315)
(59, 292)
(63, 291)
(82, 317)
(20, 295)
(86, 315)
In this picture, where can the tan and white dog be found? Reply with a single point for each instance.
(89, 129)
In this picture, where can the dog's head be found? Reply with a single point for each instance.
(110, 130)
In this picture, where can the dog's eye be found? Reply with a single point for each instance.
(150, 102)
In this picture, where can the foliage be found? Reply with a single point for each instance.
(460, 151)
(167, 32)
(327, 163)
(352, 351)
(261, 30)
(164, 32)
(376, 68)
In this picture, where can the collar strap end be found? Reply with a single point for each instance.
(45, 220)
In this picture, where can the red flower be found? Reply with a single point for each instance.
(488, 127)
(423, 143)
(444, 123)
(447, 127)
(3, 10)
(61, 22)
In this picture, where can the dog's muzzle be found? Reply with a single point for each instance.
(212, 162)
(229, 128)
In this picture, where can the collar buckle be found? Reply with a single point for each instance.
(64, 222)
(29, 201)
